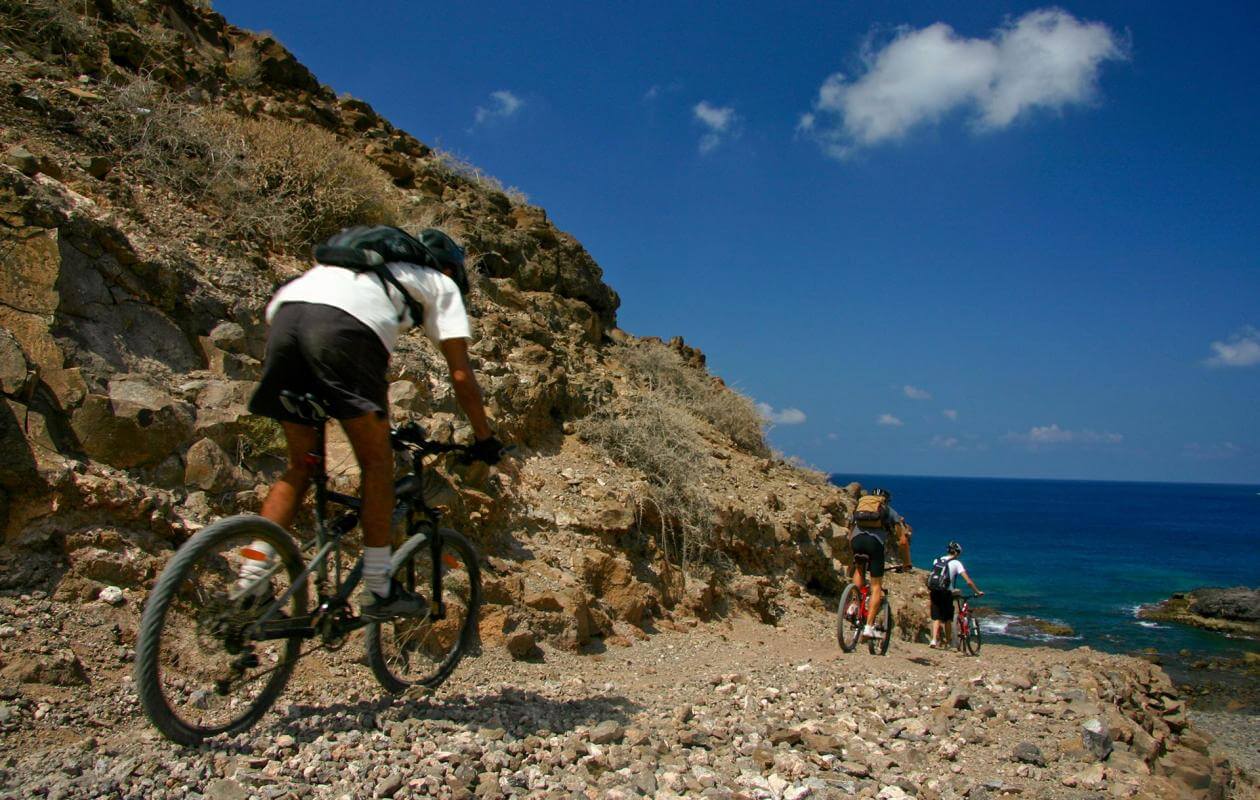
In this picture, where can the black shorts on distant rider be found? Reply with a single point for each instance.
(869, 545)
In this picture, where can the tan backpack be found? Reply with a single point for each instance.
(872, 512)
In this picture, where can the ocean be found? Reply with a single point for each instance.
(1086, 553)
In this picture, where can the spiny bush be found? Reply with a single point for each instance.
(50, 25)
(286, 184)
(662, 370)
(453, 164)
(655, 436)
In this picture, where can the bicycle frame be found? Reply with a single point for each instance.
(327, 541)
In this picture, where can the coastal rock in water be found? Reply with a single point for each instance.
(1235, 610)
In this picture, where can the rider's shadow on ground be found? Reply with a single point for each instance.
(519, 713)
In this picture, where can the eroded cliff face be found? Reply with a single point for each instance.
(145, 221)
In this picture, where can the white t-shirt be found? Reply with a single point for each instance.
(956, 568)
(361, 295)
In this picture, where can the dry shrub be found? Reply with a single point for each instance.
(284, 183)
(300, 183)
(244, 69)
(655, 436)
(50, 25)
(456, 165)
(662, 370)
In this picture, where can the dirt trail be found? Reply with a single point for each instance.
(730, 709)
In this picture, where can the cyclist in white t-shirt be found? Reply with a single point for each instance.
(942, 601)
(332, 331)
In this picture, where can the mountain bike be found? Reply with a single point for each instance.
(212, 657)
(854, 607)
(968, 626)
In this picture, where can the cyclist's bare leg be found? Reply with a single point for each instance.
(369, 436)
(282, 502)
(877, 592)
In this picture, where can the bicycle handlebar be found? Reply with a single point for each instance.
(411, 436)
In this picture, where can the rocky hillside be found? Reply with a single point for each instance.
(163, 172)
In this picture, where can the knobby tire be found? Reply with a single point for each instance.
(849, 629)
(390, 643)
(181, 568)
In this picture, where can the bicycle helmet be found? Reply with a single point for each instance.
(954, 549)
(884, 493)
(449, 256)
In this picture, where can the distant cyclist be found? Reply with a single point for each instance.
(942, 582)
(873, 519)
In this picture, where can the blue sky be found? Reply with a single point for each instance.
(934, 238)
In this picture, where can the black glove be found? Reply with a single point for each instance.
(489, 451)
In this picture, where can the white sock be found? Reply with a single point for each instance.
(376, 569)
(252, 568)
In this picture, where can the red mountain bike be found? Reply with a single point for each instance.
(968, 625)
(854, 607)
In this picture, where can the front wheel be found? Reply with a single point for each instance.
(849, 618)
(407, 651)
(201, 669)
(878, 643)
(971, 641)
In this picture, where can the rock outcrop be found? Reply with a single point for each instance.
(1235, 611)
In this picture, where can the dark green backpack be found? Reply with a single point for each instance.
(365, 248)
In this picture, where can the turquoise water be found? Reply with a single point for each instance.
(1087, 553)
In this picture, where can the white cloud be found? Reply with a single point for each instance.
(915, 393)
(889, 420)
(720, 123)
(784, 416)
(1045, 59)
(831, 437)
(1054, 435)
(1242, 350)
(503, 104)
(950, 414)
(945, 442)
(1211, 452)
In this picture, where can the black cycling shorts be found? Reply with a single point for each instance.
(866, 544)
(324, 351)
(942, 605)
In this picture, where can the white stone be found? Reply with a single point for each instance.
(112, 595)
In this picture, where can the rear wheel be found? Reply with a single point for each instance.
(407, 651)
(971, 641)
(200, 668)
(849, 618)
(878, 643)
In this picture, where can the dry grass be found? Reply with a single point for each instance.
(655, 436)
(286, 184)
(50, 25)
(662, 370)
(461, 167)
(244, 68)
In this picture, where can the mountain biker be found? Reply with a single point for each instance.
(332, 332)
(870, 540)
(942, 600)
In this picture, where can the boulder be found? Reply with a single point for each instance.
(135, 424)
(207, 466)
(14, 372)
(1096, 737)
(521, 644)
(1028, 753)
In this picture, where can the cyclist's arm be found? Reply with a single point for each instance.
(467, 392)
(971, 583)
